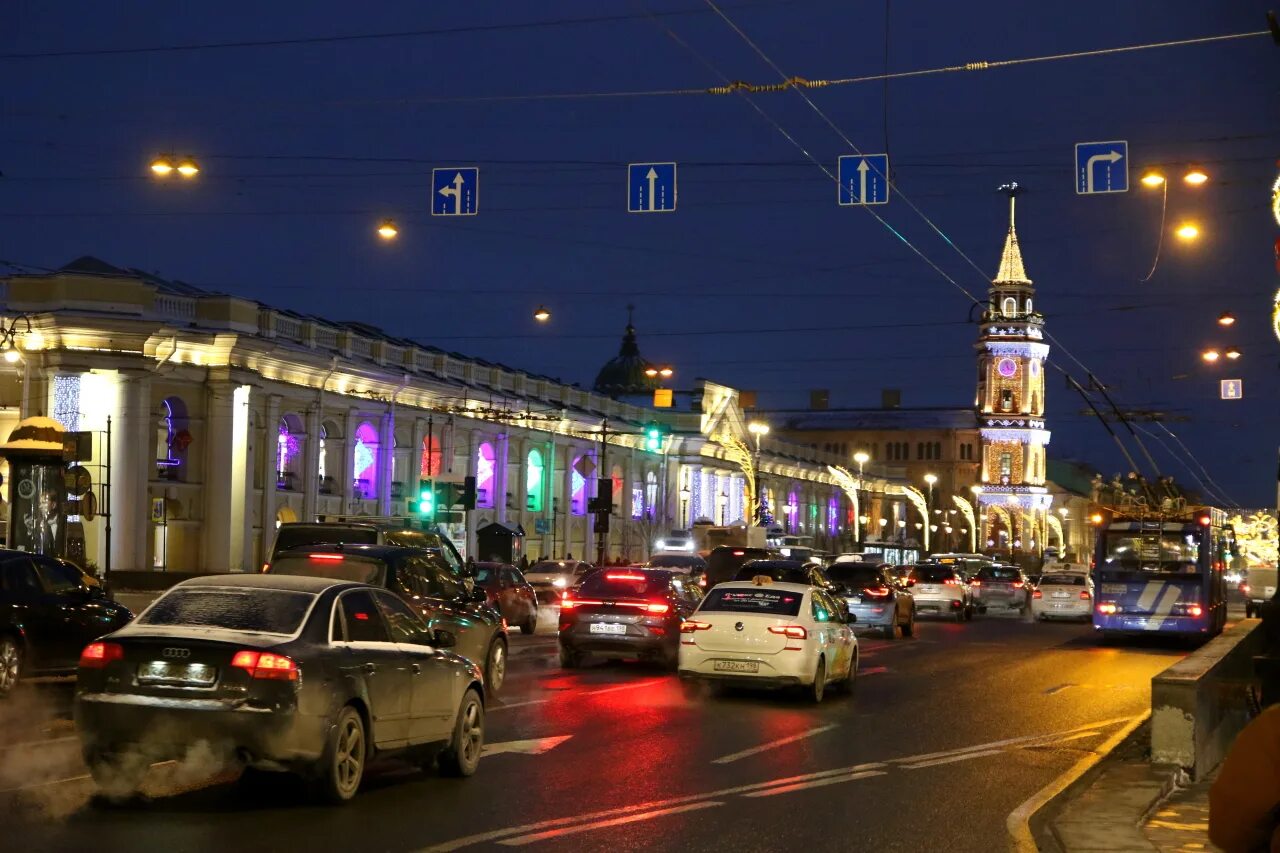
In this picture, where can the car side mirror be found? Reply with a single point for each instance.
(442, 639)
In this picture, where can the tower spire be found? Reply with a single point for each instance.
(1011, 269)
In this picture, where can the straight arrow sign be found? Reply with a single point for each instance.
(537, 746)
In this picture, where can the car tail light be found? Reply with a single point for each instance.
(702, 581)
(567, 602)
(791, 632)
(1244, 589)
(951, 582)
(877, 591)
(1017, 584)
(658, 607)
(266, 665)
(1106, 608)
(1195, 610)
(739, 553)
(1084, 594)
(975, 582)
(326, 558)
(98, 655)
(1035, 593)
(624, 576)
(689, 626)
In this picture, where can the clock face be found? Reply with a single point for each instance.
(1007, 367)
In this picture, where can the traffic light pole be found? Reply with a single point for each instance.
(602, 546)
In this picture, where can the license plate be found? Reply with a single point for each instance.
(928, 588)
(164, 672)
(608, 628)
(1062, 595)
(1060, 606)
(736, 666)
(1114, 588)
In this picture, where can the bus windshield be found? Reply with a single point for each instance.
(1153, 551)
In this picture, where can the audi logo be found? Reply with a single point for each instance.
(176, 653)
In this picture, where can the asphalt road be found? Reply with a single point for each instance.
(944, 735)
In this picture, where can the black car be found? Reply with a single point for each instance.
(790, 571)
(300, 534)
(309, 675)
(626, 613)
(724, 561)
(49, 611)
(425, 582)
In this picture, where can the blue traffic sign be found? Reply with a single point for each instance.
(1102, 167)
(1231, 389)
(455, 192)
(651, 187)
(864, 179)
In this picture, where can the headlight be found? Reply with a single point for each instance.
(559, 583)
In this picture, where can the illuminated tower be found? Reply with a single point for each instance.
(1010, 404)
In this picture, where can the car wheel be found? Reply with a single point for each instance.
(342, 768)
(909, 628)
(960, 614)
(462, 756)
(569, 659)
(890, 631)
(531, 624)
(819, 688)
(982, 610)
(847, 683)
(10, 664)
(495, 666)
(1248, 614)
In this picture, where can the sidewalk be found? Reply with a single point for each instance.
(1131, 806)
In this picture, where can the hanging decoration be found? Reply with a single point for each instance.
(921, 504)
(966, 509)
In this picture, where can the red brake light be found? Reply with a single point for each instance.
(1035, 593)
(876, 591)
(1017, 584)
(739, 553)
(266, 665)
(951, 582)
(1205, 520)
(1106, 608)
(327, 558)
(658, 607)
(975, 582)
(689, 626)
(98, 655)
(1084, 594)
(1244, 589)
(791, 632)
(624, 576)
(567, 602)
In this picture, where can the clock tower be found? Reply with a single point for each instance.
(1011, 353)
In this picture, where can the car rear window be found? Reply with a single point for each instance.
(779, 571)
(336, 566)
(271, 611)
(994, 573)
(933, 574)
(624, 583)
(1062, 580)
(677, 561)
(854, 574)
(772, 602)
(299, 537)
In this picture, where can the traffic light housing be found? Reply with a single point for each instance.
(468, 496)
(426, 499)
(655, 436)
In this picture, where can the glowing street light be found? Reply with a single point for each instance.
(11, 354)
(388, 230)
(541, 314)
(162, 166)
(1210, 355)
(665, 371)
(1187, 231)
(1195, 176)
(1152, 179)
(1227, 319)
(1232, 353)
(188, 168)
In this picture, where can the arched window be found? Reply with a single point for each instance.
(919, 449)
(172, 440)
(937, 450)
(1010, 306)
(833, 514)
(432, 458)
(364, 462)
(330, 461)
(486, 466)
(533, 481)
(288, 453)
(1028, 305)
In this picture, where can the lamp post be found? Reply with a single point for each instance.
(759, 429)
(979, 514)
(861, 458)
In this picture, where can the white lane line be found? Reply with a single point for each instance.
(536, 746)
(952, 759)
(872, 670)
(496, 834)
(521, 840)
(516, 705)
(756, 750)
(35, 785)
(818, 783)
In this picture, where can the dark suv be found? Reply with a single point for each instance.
(626, 613)
(790, 571)
(425, 582)
(724, 561)
(49, 611)
(299, 534)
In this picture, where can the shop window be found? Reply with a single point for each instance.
(364, 462)
(486, 466)
(533, 481)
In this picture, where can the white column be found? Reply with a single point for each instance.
(132, 459)
(271, 424)
(226, 417)
(566, 497)
(386, 460)
(501, 445)
(347, 469)
(310, 466)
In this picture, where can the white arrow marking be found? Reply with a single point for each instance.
(862, 181)
(653, 179)
(455, 191)
(537, 746)
(1110, 156)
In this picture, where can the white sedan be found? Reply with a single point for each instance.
(763, 634)
(1062, 595)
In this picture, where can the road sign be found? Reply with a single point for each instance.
(541, 526)
(662, 398)
(651, 187)
(1102, 167)
(1231, 389)
(455, 191)
(864, 179)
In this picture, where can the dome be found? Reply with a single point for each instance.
(623, 374)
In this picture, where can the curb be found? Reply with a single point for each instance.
(1018, 823)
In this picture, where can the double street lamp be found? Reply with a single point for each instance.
(861, 458)
(759, 429)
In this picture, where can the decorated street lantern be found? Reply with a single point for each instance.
(37, 487)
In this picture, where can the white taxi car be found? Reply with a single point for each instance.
(1062, 595)
(763, 634)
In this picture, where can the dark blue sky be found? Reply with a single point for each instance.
(306, 147)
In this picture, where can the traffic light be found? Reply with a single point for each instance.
(468, 496)
(655, 435)
(426, 499)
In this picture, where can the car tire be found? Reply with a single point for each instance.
(982, 610)
(846, 684)
(10, 664)
(819, 688)
(890, 631)
(569, 659)
(1248, 614)
(531, 624)
(342, 768)
(960, 614)
(462, 756)
(909, 628)
(495, 666)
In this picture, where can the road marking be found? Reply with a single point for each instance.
(633, 686)
(793, 782)
(35, 785)
(818, 783)
(521, 840)
(516, 705)
(536, 746)
(1059, 688)
(953, 759)
(756, 750)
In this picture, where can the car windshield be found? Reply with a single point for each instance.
(484, 573)
(933, 574)
(772, 602)
(1166, 551)
(1063, 580)
(854, 574)
(343, 567)
(270, 611)
(624, 583)
(999, 573)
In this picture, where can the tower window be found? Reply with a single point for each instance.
(1028, 305)
(1006, 399)
(1006, 464)
(1010, 306)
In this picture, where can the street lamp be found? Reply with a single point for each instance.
(388, 230)
(665, 371)
(1232, 353)
(1187, 231)
(861, 458)
(1151, 178)
(1195, 176)
(1226, 319)
(759, 429)
(541, 314)
(1210, 355)
(163, 167)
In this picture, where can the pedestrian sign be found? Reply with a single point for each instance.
(1102, 167)
(1231, 389)
(651, 187)
(864, 179)
(455, 192)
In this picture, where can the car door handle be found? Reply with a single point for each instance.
(415, 668)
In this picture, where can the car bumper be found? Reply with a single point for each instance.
(1125, 623)
(768, 682)
(625, 644)
(938, 605)
(781, 669)
(1074, 609)
(164, 728)
(872, 615)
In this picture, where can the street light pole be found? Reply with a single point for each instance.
(930, 480)
(757, 429)
(861, 458)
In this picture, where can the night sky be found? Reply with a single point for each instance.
(759, 279)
